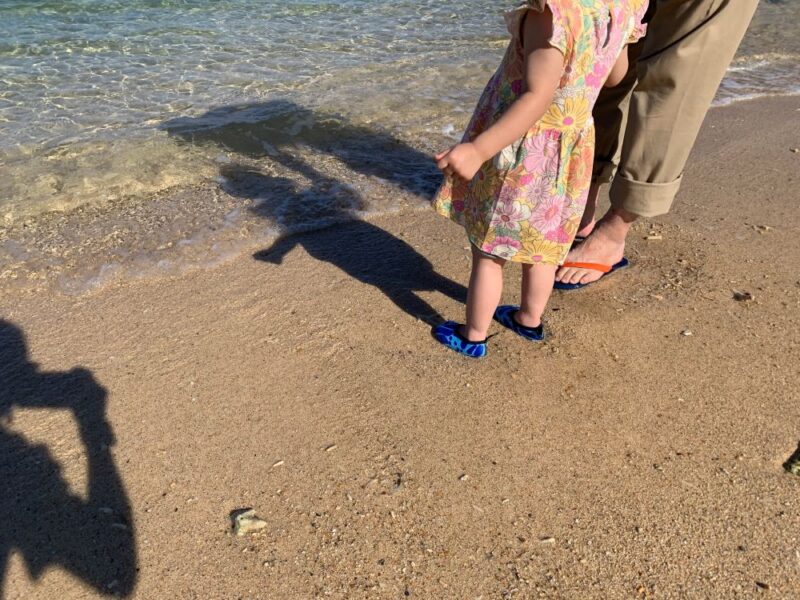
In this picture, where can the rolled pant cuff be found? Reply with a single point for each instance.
(643, 199)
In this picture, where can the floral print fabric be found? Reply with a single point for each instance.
(525, 205)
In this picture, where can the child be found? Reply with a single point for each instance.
(518, 181)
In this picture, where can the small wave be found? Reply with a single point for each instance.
(77, 173)
(760, 75)
(297, 171)
(755, 60)
(749, 66)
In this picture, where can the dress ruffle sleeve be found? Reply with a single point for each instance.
(561, 39)
(639, 26)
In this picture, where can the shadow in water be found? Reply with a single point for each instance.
(42, 519)
(273, 131)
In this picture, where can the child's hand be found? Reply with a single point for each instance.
(463, 160)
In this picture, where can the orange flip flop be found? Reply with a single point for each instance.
(604, 269)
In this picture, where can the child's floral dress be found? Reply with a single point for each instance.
(525, 205)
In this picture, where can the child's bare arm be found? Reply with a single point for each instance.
(544, 66)
(619, 70)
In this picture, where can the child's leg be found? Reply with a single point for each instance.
(537, 285)
(483, 296)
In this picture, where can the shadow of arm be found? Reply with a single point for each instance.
(79, 392)
(277, 252)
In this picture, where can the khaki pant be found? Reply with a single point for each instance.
(647, 125)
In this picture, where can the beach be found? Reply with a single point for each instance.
(636, 453)
(142, 139)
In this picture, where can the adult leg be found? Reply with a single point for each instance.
(682, 61)
(483, 295)
(610, 116)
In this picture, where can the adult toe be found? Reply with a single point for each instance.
(576, 276)
(564, 274)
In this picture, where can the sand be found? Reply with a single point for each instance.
(622, 458)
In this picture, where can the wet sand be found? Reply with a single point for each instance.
(623, 458)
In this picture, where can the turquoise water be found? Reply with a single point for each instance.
(86, 84)
(107, 102)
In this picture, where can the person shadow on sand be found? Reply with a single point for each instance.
(364, 251)
(42, 519)
(361, 249)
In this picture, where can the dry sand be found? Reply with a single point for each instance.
(620, 459)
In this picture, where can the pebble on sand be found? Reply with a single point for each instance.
(792, 465)
(741, 296)
(686, 332)
(246, 522)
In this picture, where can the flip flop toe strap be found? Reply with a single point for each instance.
(587, 265)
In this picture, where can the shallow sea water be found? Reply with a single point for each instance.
(282, 116)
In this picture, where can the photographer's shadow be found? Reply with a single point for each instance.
(362, 250)
(42, 519)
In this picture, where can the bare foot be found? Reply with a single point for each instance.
(604, 245)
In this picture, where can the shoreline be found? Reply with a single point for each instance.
(212, 222)
(621, 458)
